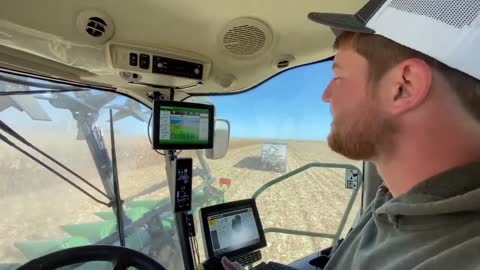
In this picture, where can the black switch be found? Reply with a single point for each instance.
(144, 61)
(133, 59)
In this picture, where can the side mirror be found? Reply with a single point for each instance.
(221, 139)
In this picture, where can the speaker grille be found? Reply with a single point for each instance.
(244, 40)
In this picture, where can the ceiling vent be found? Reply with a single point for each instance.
(246, 37)
(95, 25)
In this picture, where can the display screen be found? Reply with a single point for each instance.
(232, 228)
(183, 125)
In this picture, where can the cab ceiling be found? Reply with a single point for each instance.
(240, 43)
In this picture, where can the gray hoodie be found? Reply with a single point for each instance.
(436, 225)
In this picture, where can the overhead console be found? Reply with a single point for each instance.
(158, 67)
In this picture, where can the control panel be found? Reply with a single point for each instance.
(183, 184)
(157, 65)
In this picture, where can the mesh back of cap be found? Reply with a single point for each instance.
(457, 13)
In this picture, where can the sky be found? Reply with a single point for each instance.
(287, 106)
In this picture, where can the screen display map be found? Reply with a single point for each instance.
(181, 125)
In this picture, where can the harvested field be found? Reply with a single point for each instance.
(34, 203)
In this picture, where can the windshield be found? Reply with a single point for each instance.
(277, 128)
(41, 211)
(307, 195)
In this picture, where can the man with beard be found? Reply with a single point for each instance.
(406, 96)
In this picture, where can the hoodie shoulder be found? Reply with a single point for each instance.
(454, 191)
(461, 256)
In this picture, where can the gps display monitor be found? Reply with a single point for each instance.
(182, 125)
(232, 229)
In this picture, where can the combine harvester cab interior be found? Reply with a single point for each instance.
(155, 135)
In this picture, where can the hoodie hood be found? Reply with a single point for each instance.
(452, 192)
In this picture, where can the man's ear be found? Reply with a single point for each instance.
(411, 83)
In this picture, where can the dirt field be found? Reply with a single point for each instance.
(34, 203)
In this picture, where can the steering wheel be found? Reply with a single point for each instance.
(120, 257)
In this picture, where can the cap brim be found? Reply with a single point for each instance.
(341, 22)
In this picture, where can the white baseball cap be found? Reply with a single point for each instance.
(446, 30)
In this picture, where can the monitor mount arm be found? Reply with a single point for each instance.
(180, 218)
